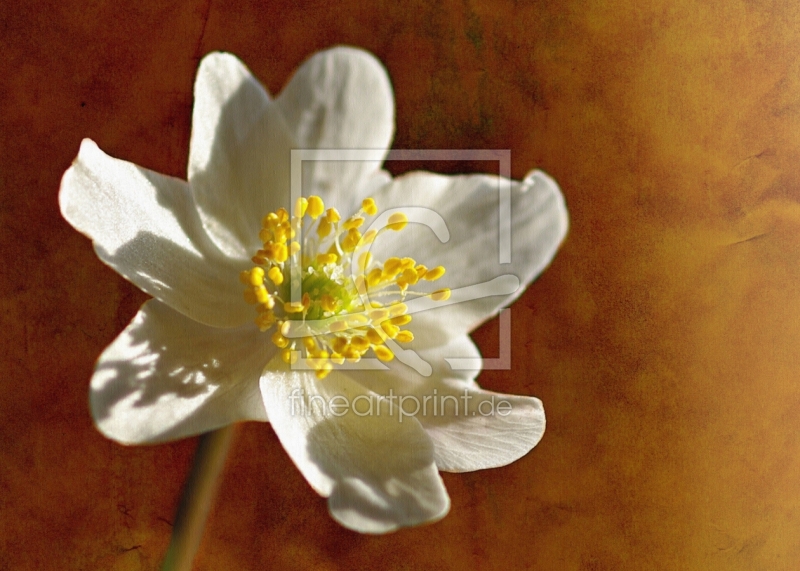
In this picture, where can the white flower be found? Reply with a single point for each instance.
(193, 359)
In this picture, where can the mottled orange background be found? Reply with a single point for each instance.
(663, 340)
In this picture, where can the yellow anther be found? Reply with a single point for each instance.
(356, 319)
(374, 337)
(368, 205)
(400, 319)
(383, 353)
(374, 277)
(265, 320)
(256, 276)
(328, 302)
(289, 356)
(268, 251)
(262, 295)
(244, 277)
(332, 216)
(269, 304)
(364, 260)
(324, 259)
(390, 330)
(294, 247)
(284, 327)
(281, 253)
(354, 222)
(310, 344)
(300, 207)
(351, 240)
(315, 207)
(293, 306)
(282, 215)
(421, 270)
(275, 275)
(352, 354)
(404, 336)
(391, 267)
(409, 276)
(398, 309)
(397, 221)
(279, 340)
(337, 358)
(359, 343)
(250, 296)
(269, 221)
(434, 274)
(441, 294)
(339, 344)
(378, 314)
(407, 263)
(324, 371)
(337, 326)
(324, 229)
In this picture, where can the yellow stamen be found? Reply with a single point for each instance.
(289, 356)
(383, 353)
(300, 207)
(441, 294)
(434, 274)
(404, 336)
(276, 275)
(355, 222)
(368, 205)
(332, 216)
(397, 221)
(279, 340)
(315, 207)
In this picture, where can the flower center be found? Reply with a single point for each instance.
(323, 292)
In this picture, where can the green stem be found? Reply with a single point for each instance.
(197, 499)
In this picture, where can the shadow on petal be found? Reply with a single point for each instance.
(383, 473)
(167, 376)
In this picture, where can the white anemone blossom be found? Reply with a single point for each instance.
(368, 412)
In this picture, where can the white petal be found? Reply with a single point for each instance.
(469, 207)
(167, 377)
(339, 99)
(378, 472)
(145, 226)
(239, 154)
(474, 429)
(471, 428)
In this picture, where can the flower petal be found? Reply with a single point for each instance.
(167, 377)
(239, 154)
(378, 472)
(477, 429)
(471, 428)
(469, 207)
(145, 226)
(339, 99)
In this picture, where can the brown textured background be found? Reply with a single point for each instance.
(663, 340)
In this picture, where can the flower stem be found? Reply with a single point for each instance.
(197, 499)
